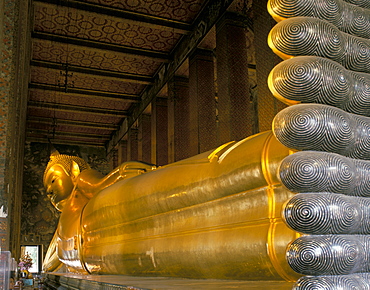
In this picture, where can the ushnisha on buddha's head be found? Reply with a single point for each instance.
(60, 177)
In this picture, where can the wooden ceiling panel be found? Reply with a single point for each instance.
(100, 83)
(68, 139)
(72, 123)
(40, 96)
(184, 11)
(49, 127)
(83, 130)
(75, 116)
(93, 26)
(62, 53)
(43, 75)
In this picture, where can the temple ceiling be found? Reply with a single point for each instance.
(96, 65)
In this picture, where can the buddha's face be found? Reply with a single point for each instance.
(59, 185)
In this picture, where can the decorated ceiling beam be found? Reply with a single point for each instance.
(100, 45)
(87, 93)
(94, 71)
(76, 109)
(93, 143)
(72, 123)
(69, 134)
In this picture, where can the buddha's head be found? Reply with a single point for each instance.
(60, 177)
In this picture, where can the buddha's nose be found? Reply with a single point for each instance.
(49, 191)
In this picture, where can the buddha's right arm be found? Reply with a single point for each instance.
(91, 181)
(134, 168)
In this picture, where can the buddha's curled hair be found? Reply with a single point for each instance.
(65, 161)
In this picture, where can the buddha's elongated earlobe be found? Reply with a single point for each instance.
(75, 171)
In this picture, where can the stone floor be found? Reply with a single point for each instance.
(146, 283)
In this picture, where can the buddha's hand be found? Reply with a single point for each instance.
(134, 168)
(327, 62)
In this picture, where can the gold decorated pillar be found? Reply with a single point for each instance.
(202, 102)
(144, 138)
(132, 144)
(235, 111)
(122, 151)
(113, 158)
(159, 131)
(178, 119)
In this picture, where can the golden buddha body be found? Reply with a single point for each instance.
(215, 215)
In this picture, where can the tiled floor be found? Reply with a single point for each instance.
(174, 284)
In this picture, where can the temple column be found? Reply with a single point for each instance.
(144, 138)
(122, 151)
(132, 144)
(178, 119)
(202, 111)
(159, 131)
(113, 158)
(15, 46)
(266, 60)
(235, 112)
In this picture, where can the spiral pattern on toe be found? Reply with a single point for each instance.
(362, 133)
(302, 215)
(358, 61)
(360, 281)
(309, 125)
(305, 171)
(364, 204)
(311, 36)
(323, 128)
(347, 18)
(313, 171)
(327, 213)
(311, 79)
(329, 254)
(305, 36)
(360, 3)
(363, 184)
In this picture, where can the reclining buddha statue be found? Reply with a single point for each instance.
(281, 204)
(189, 218)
